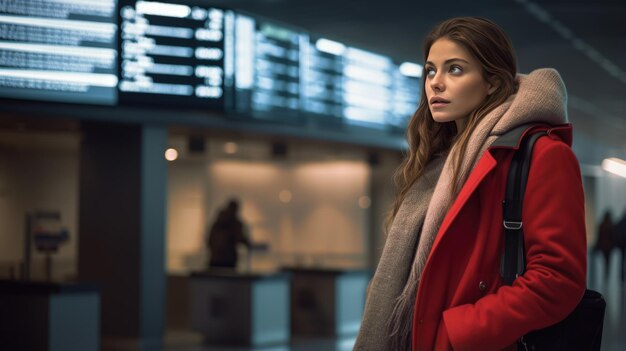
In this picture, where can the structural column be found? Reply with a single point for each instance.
(123, 180)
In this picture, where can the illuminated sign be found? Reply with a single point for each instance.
(362, 87)
(173, 54)
(323, 78)
(187, 55)
(267, 69)
(61, 51)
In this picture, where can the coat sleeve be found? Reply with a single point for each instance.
(556, 253)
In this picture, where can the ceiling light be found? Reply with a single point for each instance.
(615, 165)
(171, 154)
(285, 196)
(365, 202)
(230, 147)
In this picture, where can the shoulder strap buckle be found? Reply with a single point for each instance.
(512, 225)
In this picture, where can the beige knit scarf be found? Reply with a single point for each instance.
(387, 319)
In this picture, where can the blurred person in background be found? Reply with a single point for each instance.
(619, 233)
(605, 242)
(224, 235)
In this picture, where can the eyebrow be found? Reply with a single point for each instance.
(447, 61)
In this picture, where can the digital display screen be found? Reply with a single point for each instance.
(406, 95)
(322, 82)
(360, 87)
(59, 50)
(175, 53)
(186, 54)
(367, 87)
(268, 69)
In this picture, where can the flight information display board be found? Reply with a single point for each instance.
(367, 87)
(360, 87)
(185, 54)
(175, 53)
(61, 51)
(322, 88)
(283, 74)
(268, 69)
(406, 95)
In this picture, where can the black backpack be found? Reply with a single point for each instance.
(582, 329)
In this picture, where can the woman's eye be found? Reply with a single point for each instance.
(430, 71)
(455, 69)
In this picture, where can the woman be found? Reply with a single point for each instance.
(437, 285)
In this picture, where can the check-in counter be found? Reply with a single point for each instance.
(327, 302)
(38, 316)
(231, 308)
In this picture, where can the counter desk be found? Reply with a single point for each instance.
(327, 302)
(41, 316)
(231, 308)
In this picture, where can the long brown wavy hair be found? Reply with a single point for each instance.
(491, 46)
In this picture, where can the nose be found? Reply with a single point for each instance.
(436, 83)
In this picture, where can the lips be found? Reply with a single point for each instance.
(436, 102)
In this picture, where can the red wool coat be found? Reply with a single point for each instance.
(461, 303)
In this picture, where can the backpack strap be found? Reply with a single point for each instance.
(513, 262)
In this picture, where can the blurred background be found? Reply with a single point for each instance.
(132, 132)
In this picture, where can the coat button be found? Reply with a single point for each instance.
(421, 321)
(482, 285)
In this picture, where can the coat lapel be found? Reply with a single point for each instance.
(485, 165)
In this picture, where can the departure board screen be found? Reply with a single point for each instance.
(268, 69)
(59, 50)
(406, 95)
(359, 87)
(367, 87)
(174, 53)
(322, 81)
(187, 54)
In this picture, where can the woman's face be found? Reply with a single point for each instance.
(454, 83)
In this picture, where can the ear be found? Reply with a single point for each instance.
(493, 85)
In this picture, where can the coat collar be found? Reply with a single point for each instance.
(513, 138)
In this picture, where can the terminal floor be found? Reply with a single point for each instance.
(611, 286)
(175, 343)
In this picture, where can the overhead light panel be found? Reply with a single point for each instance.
(615, 165)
